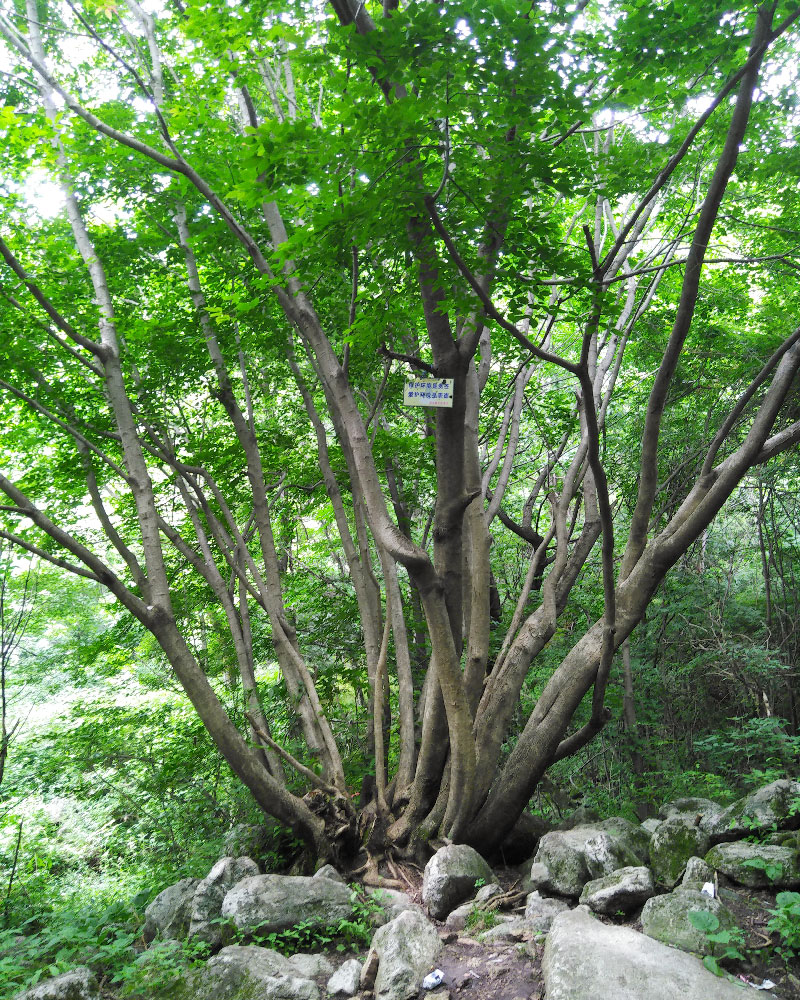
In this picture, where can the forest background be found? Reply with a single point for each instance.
(240, 576)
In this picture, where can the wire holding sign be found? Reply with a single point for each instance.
(429, 392)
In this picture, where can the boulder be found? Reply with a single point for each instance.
(560, 862)
(623, 891)
(571, 858)
(585, 959)
(697, 873)
(617, 844)
(770, 806)
(666, 918)
(406, 950)
(651, 824)
(757, 866)
(674, 842)
(633, 835)
(450, 878)
(345, 981)
(249, 973)
(540, 911)
(269, 903)
(170, 913)
(208, 896)
(509, 930)
(328, 871)
(309, 966)
(702, 812)
(79, 984)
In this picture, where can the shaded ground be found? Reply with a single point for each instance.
(475, 971)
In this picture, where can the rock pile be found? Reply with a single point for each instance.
(611, 867)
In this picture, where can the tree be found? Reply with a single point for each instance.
(17, 594)
(294, 210)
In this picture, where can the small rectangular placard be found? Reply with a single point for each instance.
(429, 392)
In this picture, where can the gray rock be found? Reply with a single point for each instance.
(769, 806)
(622, 891)
(346, 980)
(674, 842)
(538, 877)
(79, 984)
(250, 973)
(450, 878)
(666, 918)
(509, 930)
(540, 911)
(585, 959)
(634, 837)
(574, 857)
(487, 892)
(169, 915)
(274, 902)
(651, 825)
(560, 863)
(703, 810)
(328, 871)
(309, 966)
(208, 896)
(697, 873)
(777, 867)
(407, 950)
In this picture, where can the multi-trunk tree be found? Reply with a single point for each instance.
(583, 215)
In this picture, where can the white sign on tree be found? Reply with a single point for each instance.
(429, 392)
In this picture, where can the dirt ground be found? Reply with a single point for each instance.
(474, 971)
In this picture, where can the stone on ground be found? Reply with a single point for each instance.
(585, 959)
(269, 903)
(328, 871)
(620, 892)
(208, 896)
(666, 918)
(560, 862)
(309, 966)
(406, 950)
(540, 911)
(675, 841)
(703, 812)
(775, 867)
(250, 973)
(169, 915)
(79, 984)
(573, 857)
(346, 980)
(770, 806)
(450, 878)
(697, 873)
